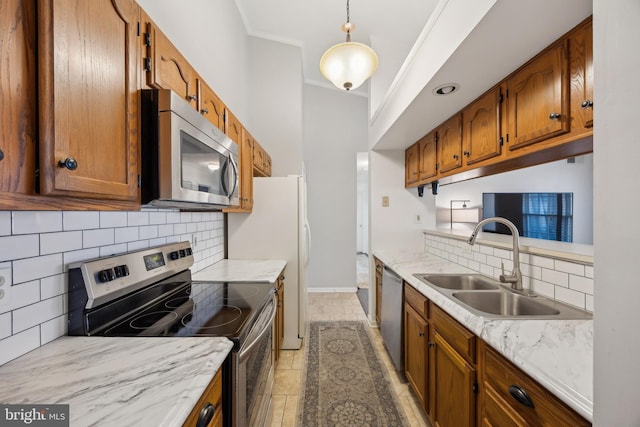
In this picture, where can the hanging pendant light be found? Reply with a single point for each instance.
(347, 65)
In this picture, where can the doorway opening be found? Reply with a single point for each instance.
(362, 229)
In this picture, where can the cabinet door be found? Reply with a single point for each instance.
(449, 141)
(428, 159)
(581, 53)
(232, 126)
(18, 96)
(167, 68)
(453, 381)
(210, 105)
(246, 171)
(88, 140)
(495, 412)
(416, 334)
(482, 128)
(259, 160)
(538, 99)
(411, 164)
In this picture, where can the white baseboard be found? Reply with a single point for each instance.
(319, 290)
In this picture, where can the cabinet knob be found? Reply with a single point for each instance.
(69, 163)
(520, 395)
(456, 157)
(554, 116)
(587, 103)
(421, 334)
(205, 111)
(1, 155)
(431, 344)
(466, 154)
(191, 97)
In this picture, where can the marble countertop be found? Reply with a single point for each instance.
(241, 270)
(116, 381)
(557, 353)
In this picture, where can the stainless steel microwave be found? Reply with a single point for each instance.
(187, 162)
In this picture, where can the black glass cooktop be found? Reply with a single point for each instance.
(183, 308)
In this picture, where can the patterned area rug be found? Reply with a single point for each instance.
(345, 383)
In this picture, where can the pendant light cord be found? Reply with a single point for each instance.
(348, 22)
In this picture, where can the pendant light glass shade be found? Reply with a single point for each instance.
(348, 65)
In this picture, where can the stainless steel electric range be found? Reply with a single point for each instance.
(150, 293)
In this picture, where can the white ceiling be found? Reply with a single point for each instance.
(511, 32)
(315, 25)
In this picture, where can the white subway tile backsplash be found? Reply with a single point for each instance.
(569, 267)
(5, 325)
(556, 277)
(113, 219)
(19, 344)
(53, 286)
(137, 218)
(35, 314)
(52, 329)
(570, 297)
(80, 220)
(28, 269)
(65, 241)
(565, 281)
(15, 247)
(581, 284)
(5, 223)
(37, 247)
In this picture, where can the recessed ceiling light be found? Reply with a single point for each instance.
(446, 89)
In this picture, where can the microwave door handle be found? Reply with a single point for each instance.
(223, 175)
(235, 176)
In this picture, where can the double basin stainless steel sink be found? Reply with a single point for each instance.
(487, 297)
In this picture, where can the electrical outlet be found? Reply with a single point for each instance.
(5, 285)
(385, 201)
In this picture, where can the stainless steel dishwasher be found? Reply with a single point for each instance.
(391, 316)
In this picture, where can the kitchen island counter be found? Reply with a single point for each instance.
(116, 381)
(242, 270)
(556, 353)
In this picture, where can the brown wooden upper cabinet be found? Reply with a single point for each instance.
(210, 105)
(246, 171)
(428, 157)
(18, 96)
(88, 100)
(581, 51)
(538, 99)
(482, 137)
(412, 164)
(166, 67)
(261, 161)
(449, 143)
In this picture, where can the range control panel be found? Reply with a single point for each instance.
(111, 277)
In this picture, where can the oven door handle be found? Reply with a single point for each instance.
(244, 354)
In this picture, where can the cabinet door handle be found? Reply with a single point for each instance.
(431, 344)
(1, 155)
(206, 415)
(456, 157)
(520, 395)
(192, 97)
(554, 116)
(205, 111)
(421, 334)
(587, 103)
(466, 154)
(69, 163)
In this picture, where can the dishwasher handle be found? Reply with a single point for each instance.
(389, 273)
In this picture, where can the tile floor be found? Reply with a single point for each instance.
(288, 375)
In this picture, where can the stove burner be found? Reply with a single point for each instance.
(155, 318)
(176, 302)
(248, 291)
(222, 315)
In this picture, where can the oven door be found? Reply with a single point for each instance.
(254, 374)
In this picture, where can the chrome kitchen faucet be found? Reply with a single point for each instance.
(515, 278)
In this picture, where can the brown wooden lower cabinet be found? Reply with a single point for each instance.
(212, 395)
(461, 381)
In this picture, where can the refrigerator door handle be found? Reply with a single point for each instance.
(307, 254)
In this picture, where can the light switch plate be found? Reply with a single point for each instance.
(385, 201)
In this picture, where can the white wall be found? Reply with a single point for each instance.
(275, 110)
(554, 177)
(616, 202)
(395, 226)
(335, 129)
(211, 36)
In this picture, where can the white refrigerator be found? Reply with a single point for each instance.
(277, 228)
